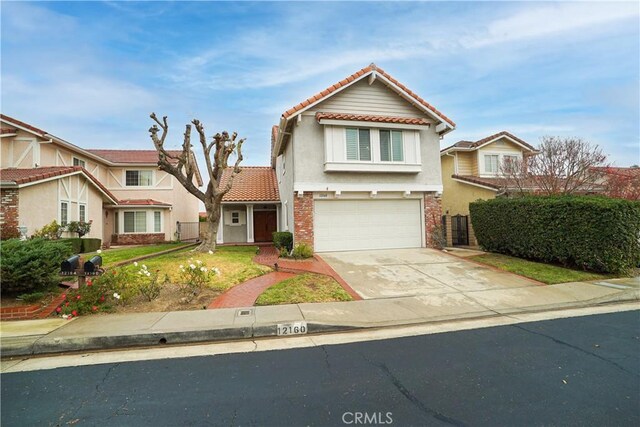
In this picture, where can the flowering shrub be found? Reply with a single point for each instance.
(86, 299)
(195, 276)
(121, 283)
(148, 284)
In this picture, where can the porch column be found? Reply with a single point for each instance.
(249, 223)
(220, 237)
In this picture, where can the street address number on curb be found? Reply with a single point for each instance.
(295, 328)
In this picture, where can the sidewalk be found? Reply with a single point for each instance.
(19, 338)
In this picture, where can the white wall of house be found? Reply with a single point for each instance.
(285, 175)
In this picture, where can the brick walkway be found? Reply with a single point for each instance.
(246, 294)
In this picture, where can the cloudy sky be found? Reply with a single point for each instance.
(91, 72)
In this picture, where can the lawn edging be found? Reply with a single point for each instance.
(153, 255)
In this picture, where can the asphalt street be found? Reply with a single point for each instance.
(574, 371)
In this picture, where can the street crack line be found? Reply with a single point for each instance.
(412, 398)
(557, 341)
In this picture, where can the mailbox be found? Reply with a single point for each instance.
(69, 266)
(92, 267)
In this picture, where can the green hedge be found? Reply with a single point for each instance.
(31, 265)
(80, 246)
(283, 239)
(592, 233)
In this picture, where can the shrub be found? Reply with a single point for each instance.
(120, 283)
(30, 265)
(32, 297)
(301, 251)
(90, 245)
(80, 227)
(195, 276)
(51, 231)
(74, 243)
(90, 298)
(9, 232)
(149, 285)
(592, 233)
(283, 239)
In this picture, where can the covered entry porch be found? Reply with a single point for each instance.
(248, 222)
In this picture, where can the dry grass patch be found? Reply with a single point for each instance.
(304, 288)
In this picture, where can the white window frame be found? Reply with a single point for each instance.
(151, 181)
(82, 205)
(359, 159)
(135, 231)
(231, 218)
(67, 204)
(497, 163)
(391, 145)
(79, 161)
(159, 223)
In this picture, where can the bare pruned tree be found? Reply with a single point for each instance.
(560, 166)
(183, 167)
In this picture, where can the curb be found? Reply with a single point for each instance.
(41, 344)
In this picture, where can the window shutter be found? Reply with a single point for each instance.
(352, 144)
(398, 154)
(365, 144)
(385, 146)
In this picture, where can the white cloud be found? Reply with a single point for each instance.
(542, 21)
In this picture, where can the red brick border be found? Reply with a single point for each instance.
(30, 312)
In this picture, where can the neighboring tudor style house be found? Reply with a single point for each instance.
(471, 171)
(356, 166)
(122, 192)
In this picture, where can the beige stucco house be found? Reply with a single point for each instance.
(357, 165)
(124, 194)
(471, 171)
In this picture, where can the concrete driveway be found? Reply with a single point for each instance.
(394, 273)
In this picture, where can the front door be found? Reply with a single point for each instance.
(264, 224)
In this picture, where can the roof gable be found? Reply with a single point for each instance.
(474, 145)
(373, 72)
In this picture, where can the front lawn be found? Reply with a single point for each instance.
(545, 273)
(120, 290)
(304, 288)
(112, 256)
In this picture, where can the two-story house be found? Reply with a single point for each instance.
(357, 165)
(471, 171)
(122, 192)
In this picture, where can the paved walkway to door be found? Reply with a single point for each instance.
(417, 272)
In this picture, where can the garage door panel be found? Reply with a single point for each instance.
(367, 224)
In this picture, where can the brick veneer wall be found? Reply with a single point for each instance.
(303, 219)
(137, 239)
(9, 207)
(432, 215)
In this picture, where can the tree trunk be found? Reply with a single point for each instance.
(213, 220)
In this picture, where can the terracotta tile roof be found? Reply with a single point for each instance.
(131, 156)
(23, 176)
(612, 170)
(370, 118)
(495, 183)
(478, 143)
(354, 76)
(23, 124)
(4, 131)
(252, 184)
(142, 202)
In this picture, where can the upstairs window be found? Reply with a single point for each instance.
(358, 144)
(491, 163)
(391, 146)
(64, 213)
(78, 162)
(138, 178)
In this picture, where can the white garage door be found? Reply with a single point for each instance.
(344, 225)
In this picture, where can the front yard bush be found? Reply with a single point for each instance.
(591, 233)
(302, 251)
(90, 245)
(31, 265)
(283, 239)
